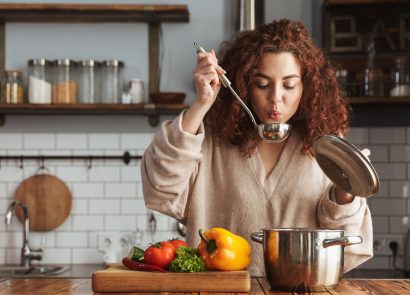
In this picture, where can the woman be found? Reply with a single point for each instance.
(209, 168)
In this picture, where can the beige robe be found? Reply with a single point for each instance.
(205, 185)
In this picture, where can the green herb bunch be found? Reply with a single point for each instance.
(187, 260)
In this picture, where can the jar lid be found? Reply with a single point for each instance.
(64, 62)
(89, 63)
(113, 63)
(13, 73)
(38, 62)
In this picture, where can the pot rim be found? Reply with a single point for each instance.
(302, 229)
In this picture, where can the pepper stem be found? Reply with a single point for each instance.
(210, 244)
(203, 238)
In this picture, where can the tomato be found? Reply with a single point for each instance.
(160, 254)
(178, 243)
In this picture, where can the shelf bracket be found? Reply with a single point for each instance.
(2, 120)
(153, 49)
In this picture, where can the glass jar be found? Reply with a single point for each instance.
(400, 77)
(112, 81)
(64, 82)
(88, 88)
(373, 82)
(12, 90)
(39, 81)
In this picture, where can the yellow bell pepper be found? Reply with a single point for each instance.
(222, 250)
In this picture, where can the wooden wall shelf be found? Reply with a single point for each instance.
(152, 111)
(153, 15)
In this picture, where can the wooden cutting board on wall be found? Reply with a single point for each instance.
(117, 278)
(48, 200)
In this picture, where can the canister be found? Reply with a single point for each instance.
(12, 87)
(65, 81)
(88, 77)
(112, 81)
(39, 81)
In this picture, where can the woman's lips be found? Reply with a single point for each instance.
(275, 115)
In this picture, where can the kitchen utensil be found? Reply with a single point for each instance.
(117, 278)
(48, 200)
(346, 166)
(302, 259)
(273, 132)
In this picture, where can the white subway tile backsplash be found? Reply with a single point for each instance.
(388, 135)
(104, 174)
(133, 206)
(108, 197)
(79, 206)
(400, 153)
(391, 171)
(87, 255)
(42, 239)
(121, 222)
(120, 190)
(136, 141)
(62, 255)
(71, 141)
(380, 224)
(104, 141)
(388, 206)
(358, 136)
(88, 222)
(400, 188)
(39, 141)
(88, 190)
(104, 206)
(9, 174)
(131, 174)
(11, 141)
(79, 174)
(71, 239)
(399, 224)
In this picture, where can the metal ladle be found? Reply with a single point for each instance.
(273, 132)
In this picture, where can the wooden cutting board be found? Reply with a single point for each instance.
(48, 200)
(117, 278)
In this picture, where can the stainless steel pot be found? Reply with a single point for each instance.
(302, 259)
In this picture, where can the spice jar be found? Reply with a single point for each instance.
(64, 84)
(88, 72)
(39, 81)
(12, 87)
(400, 77)
(112, 81)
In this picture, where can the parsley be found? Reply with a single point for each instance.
(187, 260)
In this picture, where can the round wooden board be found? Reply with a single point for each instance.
(48, 200)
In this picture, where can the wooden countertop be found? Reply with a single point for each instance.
(48, 286)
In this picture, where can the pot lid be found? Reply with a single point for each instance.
(346, 166)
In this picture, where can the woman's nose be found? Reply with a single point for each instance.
(276, 99)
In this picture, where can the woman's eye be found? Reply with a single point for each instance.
(289, 86)
(261, 86)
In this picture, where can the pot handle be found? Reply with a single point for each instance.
(342, 241)
(257, 237)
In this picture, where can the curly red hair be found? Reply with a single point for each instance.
(322, 109)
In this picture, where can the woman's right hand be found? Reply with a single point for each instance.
(207, 82)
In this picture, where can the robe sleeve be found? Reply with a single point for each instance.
(169, 167)
(355, 219)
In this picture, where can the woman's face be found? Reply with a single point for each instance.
(276, 87)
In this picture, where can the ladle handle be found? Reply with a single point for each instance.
(225, 81)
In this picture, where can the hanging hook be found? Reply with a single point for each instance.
(42, 166)
(90, 162)
(21, 162)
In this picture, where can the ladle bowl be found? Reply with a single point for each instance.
(273, 132)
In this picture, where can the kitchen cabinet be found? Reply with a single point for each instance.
(259, 286)
(360, 34)
(152, 15)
